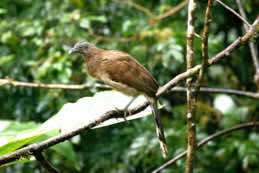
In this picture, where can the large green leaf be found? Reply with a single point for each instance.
(71, 116)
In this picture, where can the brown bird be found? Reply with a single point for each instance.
(123, 73)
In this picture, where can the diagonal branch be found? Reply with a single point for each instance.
(170, 12)
(208, 139)
(153, 18)
(28, 150)
(234, 12)
(252, 46)
(138, 7)
(45, 163)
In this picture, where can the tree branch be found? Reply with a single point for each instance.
(252, 46)
(12, 82)
(208, 139)
(28, 150)
(234, 12)
(191, 101)
(137, 7)
(204, 45)
(153, 18)
(168, 13)
(221, 90)
(45, 163)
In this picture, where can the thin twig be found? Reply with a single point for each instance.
(208, 139)
(154, 18)
(197, 35)
(137, 7)
(205, 35)
(113, 38)
(45, 163)
(28, 150)
(170, 12)
(191, 101)
(12, 82)
(204, 45)
(221, 90)
(252, 46)
(234, 12)
(242, 12)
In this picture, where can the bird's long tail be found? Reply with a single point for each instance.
(159, 127)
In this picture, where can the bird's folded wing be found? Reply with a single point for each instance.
(127, 71)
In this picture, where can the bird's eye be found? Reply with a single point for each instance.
(80, 46)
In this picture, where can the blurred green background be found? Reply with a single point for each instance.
(36, 35)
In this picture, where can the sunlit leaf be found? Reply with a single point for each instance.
(74, 115)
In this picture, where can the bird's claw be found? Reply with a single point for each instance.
(125, 112)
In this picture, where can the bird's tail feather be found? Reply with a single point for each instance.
(159, 127)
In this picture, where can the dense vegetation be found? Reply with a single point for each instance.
(36, 35)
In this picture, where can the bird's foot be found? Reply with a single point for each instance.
(125, 113)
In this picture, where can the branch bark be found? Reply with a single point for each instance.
(221, 90)
(45, 163)
(13, 82)
(204, 45)
(208, 139)
(138, 7)
(234, 12)
(168, 13)
(191, 101)
(252, 46)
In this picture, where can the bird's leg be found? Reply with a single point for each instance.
(130, 102)
(125, 109)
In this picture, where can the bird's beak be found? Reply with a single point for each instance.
(72, 50)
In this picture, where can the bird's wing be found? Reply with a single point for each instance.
(124, 69)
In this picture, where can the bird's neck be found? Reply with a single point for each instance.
(93, 59)
(92, 53)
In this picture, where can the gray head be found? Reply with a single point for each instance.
(82, 47)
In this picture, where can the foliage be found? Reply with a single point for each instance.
(35, 37)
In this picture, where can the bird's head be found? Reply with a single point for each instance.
(82, 47)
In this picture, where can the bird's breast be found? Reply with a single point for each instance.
(118, 85)
(92, 66)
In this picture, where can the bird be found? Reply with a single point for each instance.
(123, 73)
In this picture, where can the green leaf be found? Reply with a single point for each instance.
(3, 11)
(101, 19)
(15, 135)
(9, 38)
(6, 59)
(85, 23)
